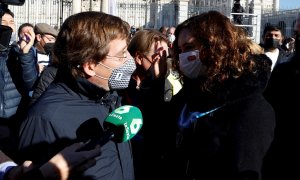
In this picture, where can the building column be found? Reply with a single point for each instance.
(181, 10)
(257, 12)
(76, 6)
(104, 6)
(275, 5)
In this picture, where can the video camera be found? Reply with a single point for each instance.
(5, 31)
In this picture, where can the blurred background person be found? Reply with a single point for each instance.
(44, 42)
(272, 38)
(17, 77)
(163, 30)
(150, 90)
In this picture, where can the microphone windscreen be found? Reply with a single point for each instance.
(126, 121)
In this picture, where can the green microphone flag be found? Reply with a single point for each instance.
(125, 121)
(120, 125)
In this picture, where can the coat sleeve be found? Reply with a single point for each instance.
(36, 136)
(29, 69)
(45, 79)
(254, 135)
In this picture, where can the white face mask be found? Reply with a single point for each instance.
(171, 38)
(190, 64)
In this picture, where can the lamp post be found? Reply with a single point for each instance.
(61, 12)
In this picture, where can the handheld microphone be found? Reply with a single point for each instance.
(120, 125)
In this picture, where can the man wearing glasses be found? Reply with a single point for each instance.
(93, 62)
(45, 36)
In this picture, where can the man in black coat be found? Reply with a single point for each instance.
(282, 160)
(93, 62)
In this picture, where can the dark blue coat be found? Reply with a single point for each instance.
(18, 74)
(74, 110)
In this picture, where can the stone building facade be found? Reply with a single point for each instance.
(157, 13)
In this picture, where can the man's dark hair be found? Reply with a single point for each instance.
(271, 28)
(6, 11)
(24, 25)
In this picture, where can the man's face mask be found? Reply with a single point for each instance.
(171, 37)
(120, 77)
(271, 43)
(190, 64)
(48, 47)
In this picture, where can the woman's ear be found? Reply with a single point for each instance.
(89, 68)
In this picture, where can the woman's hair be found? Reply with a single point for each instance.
(143, 40)
(224, 48)
(84, 37)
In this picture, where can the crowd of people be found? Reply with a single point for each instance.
(230, 112)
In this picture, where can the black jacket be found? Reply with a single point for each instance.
(229, 141)
(44, 80)
(283, 93)
(155, 142)
(74, 110)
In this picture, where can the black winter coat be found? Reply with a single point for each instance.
(74, 110)
(232, 136)
(283, 93)
(18, 74)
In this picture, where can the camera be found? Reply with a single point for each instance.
(5, 31)
(13, 2)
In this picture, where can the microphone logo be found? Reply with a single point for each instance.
(125, 121)
(135, 125)
(123, 109)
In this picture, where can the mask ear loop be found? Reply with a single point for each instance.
(106, 66)
(101, 77)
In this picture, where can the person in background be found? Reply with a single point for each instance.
(163, 30)
(26, 40)
(273, 37)
(60, 166)
(283, 94)
(44, 42)
(238, 8)
(225, 126)
(17, 77)
(132, 30)
(9, 20)
(171, 36)
(173, 76)
(26, 37)
(92, 65)
(149, 90)
(288, 45)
